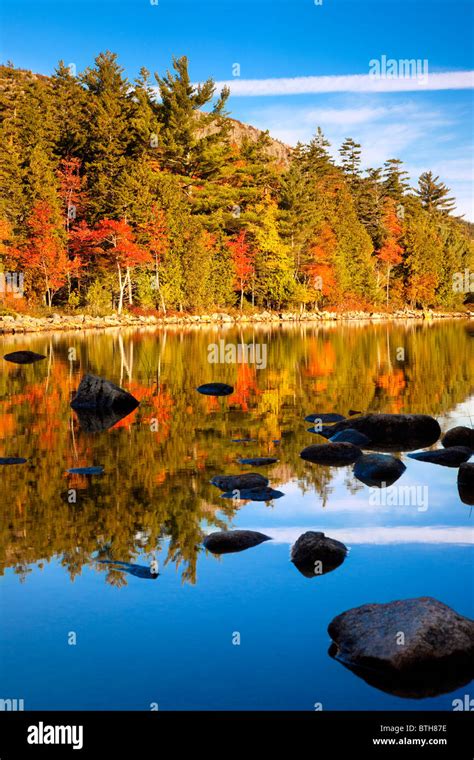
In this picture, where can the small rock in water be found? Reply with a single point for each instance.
(378, 469)
(96, 393)
(332, 454)
(466, 483)
(258, 461)
(215, 389)
(12, 460)
(23, 357)
(229, 541)
(459, 436)
(412, 647)
(353, 412)
(451, 457)
(315, 554)
(350, 436)
(244, 440)
(253, 494)
(324, 418)
(86, 470)
(239, 482)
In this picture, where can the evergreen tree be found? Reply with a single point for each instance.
(434, 194)
(395, 182)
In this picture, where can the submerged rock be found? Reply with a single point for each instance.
(324, 418)
(378, 469)
(332, 454)
(451, 457)
(412, 647)
(96, 393)
(315, 554)
(229, 541)
(459, 436)
(350, 436)
(86, 470)
(258, 461)
(23, 357)
(466, 483)
(253, 494)
(244, 440)
(215, 389)
(392, 432)
(238, 482)
(12, 460)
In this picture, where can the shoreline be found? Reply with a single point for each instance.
(26, 324)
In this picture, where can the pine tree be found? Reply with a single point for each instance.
(350, 153)
(106, 124)
(395, 179)
(434, 194)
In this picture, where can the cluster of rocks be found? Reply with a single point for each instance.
(21, 323)
(390, 432)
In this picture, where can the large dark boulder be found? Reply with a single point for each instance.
(229, 541)
(378, 469)
(466, 483)
(452, 457)
(238, 482)
(23, 357)
(96, 393)
(412, 647)
(332, 454)
(392, 432)
(459, 436)
(315, 554)
(215, 389)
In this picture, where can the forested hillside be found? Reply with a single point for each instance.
(113, 198)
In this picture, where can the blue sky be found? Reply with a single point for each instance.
(429, 125)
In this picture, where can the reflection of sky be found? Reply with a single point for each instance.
(162, 641)
(436, 516)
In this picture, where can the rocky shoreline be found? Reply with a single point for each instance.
(21, 323)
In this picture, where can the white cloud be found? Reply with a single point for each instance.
(449, 80)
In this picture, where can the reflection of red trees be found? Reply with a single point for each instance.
(393, 383)
(245, 385)
(322, 359)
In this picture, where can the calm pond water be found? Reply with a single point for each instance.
(78, 632)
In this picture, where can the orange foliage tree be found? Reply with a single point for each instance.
(44, 254)
(155, 232)
(320, 270)
(391, 251)
(243, 259)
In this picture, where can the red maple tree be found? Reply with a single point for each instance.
(44, 254)
(243, 259)
(115, 239)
